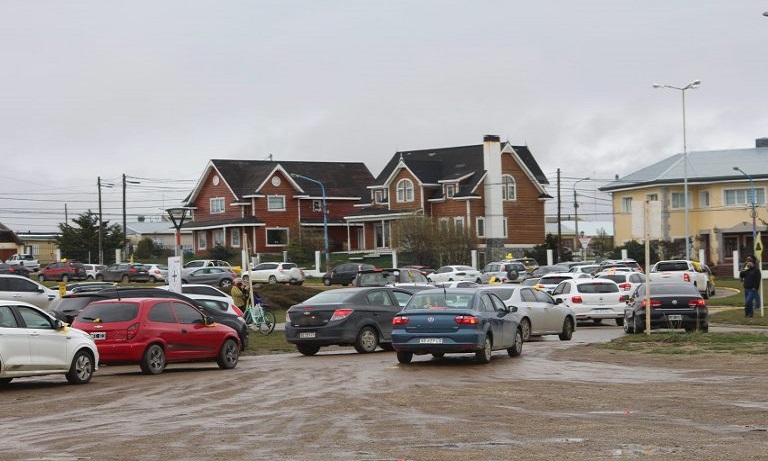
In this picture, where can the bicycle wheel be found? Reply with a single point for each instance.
(267, 325)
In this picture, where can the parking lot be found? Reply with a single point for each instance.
(563, 400)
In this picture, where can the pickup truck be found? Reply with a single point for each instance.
(681, 270)
(28, 261)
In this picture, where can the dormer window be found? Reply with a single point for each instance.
(380, 196)
(405, 190)
(450, 190)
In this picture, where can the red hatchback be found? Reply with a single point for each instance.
(155, 331)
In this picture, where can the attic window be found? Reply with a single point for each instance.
(380, 196)
(509, 188)
(405, 190)
(450, 190)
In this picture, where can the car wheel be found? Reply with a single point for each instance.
(327, 282)
(90, 277)
(272, 280)
(41, 278)
(152, 279)
(125, 279)
(690, 328)
(387, 347)
(484, 354)
(620, 321)
(567, 332)
(705, 295)
(228, 355)
(153, 361)
(404, 357)
(225, 283)
(81, 370)
(307, 349)
(100, 278)
(517, 347)
(478, 281)
(525, 325)
(367, 340)
(65, 278)
(704, 328)
(629, 326)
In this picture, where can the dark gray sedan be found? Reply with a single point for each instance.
(214, 276)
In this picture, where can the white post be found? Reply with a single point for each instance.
(317, 261)
(550, 258)
(702, 257)
(624, 254)
(473, 253)
(118, 256)
(394, 258)
(736, 264)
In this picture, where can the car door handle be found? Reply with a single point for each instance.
(34, 333)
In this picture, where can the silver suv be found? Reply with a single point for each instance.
(275, 273)
(503, 272)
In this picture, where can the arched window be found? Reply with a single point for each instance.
(405, 190)
(509, 188)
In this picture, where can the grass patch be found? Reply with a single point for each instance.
(274, 343)
(691, 343)
(736, 317)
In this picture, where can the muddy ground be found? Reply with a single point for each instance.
(560, 400)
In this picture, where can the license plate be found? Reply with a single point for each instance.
(98, 335)
(675, 317)
(307, 334)
(431, 341)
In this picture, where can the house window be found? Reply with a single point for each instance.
(277, 237)
(381, 235)
(217, 205)
(202, 243)
(276, 202)
(480, 226)
(626, 204)
(505, 227)
(218, 237)
(459, 223)
(450, 190)
(405, 190)
(443, 224)
(380, 196)
(236, 238)
(509, 188)
(652, 197)
(736, 197)
(317, 205)
(704, 199)
(678, 200)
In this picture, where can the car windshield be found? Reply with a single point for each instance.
(109, 312)
(214, 304)
(672, 266)
(597, 287)
(331, 297)
(673, 289)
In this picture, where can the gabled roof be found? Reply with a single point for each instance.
(244, 177)
(703, 167)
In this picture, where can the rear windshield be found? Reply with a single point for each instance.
(427, 301)
(109, 312)
(74, 303)
(330, 297)
(597, 287)
(673, 288)
(672, 266)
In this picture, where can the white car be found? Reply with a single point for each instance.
(198, 289)
(35, 344)
(539, 313)
(275, 273)
(157, 272)
(18, 288)
(91, 270)
(215, 302)
(592, 299)
(455, 274)
(627, 280)
(548, 282)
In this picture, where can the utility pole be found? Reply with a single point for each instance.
(101, 238)
(559, 227)
(125, 228)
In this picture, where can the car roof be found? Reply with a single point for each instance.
(6, 302)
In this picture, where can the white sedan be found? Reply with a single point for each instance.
(548, 282)
(592, 299)
(455, 274)
(627, 280)
(539, 313)
(18, 288)
(35, 344)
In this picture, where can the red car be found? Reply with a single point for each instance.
(62, 271)
(155, 331)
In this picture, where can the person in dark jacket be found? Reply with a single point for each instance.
(750, 278)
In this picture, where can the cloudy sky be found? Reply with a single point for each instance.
(154, 89)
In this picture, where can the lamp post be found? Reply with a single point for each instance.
(752, 200)
(325, 217)
(693, 85)
(576, 214)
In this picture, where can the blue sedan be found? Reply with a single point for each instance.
(456, 320)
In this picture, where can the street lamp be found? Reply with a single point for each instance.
(752, 200)
(178, 215)
(576, 214)
(325, 218)
(693, 85)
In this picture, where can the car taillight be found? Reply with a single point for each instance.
(697, 303)
(623, 298)
(132, 269)
(400, 320)
(686, 277)
(577, 299)
(341, 314)
(133, 330)
(654, 303)
(466, 320)
(625, 286)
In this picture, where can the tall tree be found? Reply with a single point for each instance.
(80, 242)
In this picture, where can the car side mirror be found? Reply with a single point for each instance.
(558, 300)
(207, 321)
(58, 324)
(512, 308)
(40, 290)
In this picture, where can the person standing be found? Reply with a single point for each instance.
(750, 278)
(238, 294)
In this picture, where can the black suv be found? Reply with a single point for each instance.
(344, 274)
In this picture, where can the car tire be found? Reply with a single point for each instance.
(65, 278)
(225, 283)
(306, 349)
(125, 279)
(404, 357)
(525, 325)
(272, 280)
(367, 340)
(81, 369)
(629, 326)
(705, 295)
(152, 279)
(229, 354)
(567, 332)
(517, 347)
(484, 354)
(620, 321)
(327, 282)
(153, 360)
(89, 278)
(41, 278)
(704, 328)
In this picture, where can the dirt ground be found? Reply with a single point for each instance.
(560, 400)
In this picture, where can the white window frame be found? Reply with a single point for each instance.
(704, 199)
(235, 238)
(405, 190)
(741, 196)
(508, 188)
(505, 221)
(287, 236)
(626, 204)
(380, 196)
(217, 205)
(271, 206)
(674, 200)
(202, 241)
(652, 197)
(444, 223)
(219, 237)
(450, 190)
(317, 206)
(458, 223)
(480, 226)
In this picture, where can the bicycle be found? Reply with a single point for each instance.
(258, 319)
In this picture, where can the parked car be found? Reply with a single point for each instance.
(542, 270)
(155, 331)
(17, 269)
(26, 260)
(617, 263)
(157, 272)
(461, 284)
(425, 270)
(360, 317)
(710, 276)
(79, 287)
(206, 292)
(530, 263)
(215, 276)
(539, 313)
(124, 272)
(35, 344)
(673, 305)
(590, 269)
(344, 274)
(91, 270)
(548, 282)
(62, 271)
(459, 320)
(18, 288)
(681, 270)
(196, 263)
(275, 272)
(592, 299)
(503, 272)
(389, 277)
(628, 281)
(455, 273)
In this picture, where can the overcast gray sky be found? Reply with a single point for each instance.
(154, 89)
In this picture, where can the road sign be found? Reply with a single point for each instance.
(585, 241)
